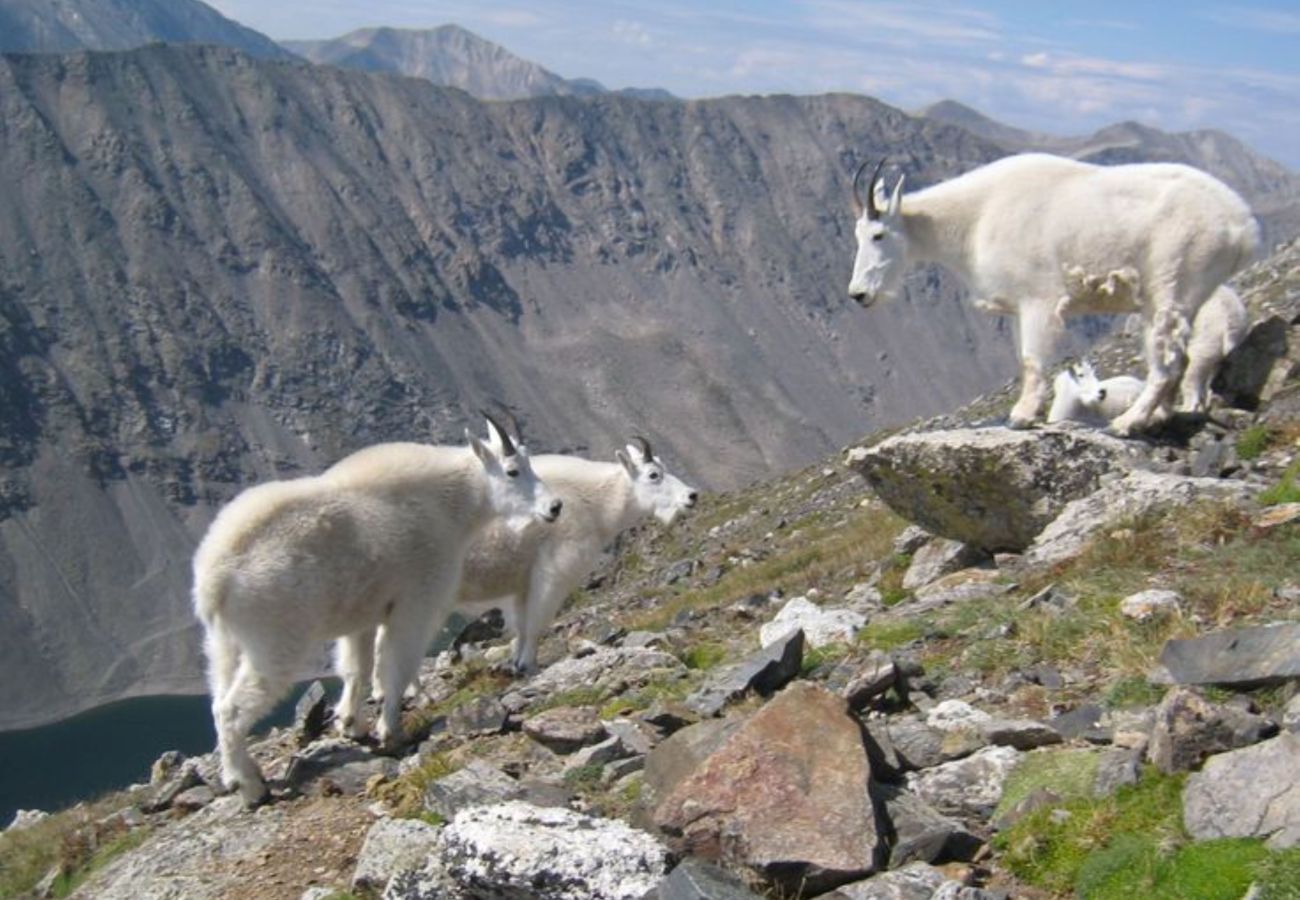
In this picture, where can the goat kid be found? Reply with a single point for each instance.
(1041, 237)
(376, 542)
(1219, 326)
(1078, 395)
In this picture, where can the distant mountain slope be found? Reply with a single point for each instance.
(450, 56)
(1272, 189)
(61, 26)
(215, 271)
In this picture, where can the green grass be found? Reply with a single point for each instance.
(1287, 490)
(815, 657)
(405, 795)
(1132, 691)
(704, 655)
(1067, 773)
(890, 635)
(1252, 442)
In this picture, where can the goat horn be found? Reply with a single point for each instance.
(873, 212)
(646, 452)
(515, 432)
(507, 447)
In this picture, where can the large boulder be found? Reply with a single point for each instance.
(786, 795)
(1253, 792)
(1240, 657)
(1137, 493)
(995, 488)
(1189, 728)
(392, 846)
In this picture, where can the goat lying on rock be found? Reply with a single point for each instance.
(377, 541)
(1078, 395)
(1041, 237)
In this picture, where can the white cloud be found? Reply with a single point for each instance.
(632, 33)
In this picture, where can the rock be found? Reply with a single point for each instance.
(1291, 714)
(959, 587)
(165, 766)
(1242, 657)
(1044, 674)
(995, 488)
(915, 881)
(609, 669)
(765, 671)
(636, 737)
(1151, 604)
(870, 679)
(677, 571)
(193, 799)
(311, 713)
(1188, 728)
(669, 716)
(820, 626)
(911, 539)
(864, 598)
(953, 715)
(481, 715)
(1083, 722)
(514, 850)
(940, 557)
(565, 729)
(1273, 516)
(26, 818)
(1023, 734)
(392, 846)
(477, 784)
(681, 754)
(1137, 493)
(921, 746)
(918, 832)
(337, 765)
(1246, 375)
(970, 786)
(696, 879)
(786, 795)
(606, 751)
(1253, 792)
(1117, 767)
(640, 640)
(162, 797)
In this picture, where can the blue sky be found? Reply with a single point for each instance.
(1063, 68)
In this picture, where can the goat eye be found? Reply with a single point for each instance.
(654, 476)
(512, 473)
(878, 237)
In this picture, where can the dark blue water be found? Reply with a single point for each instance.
(107, 748)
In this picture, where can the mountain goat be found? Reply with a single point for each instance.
(1218, 328)
(375, 541)
(1077, 394)
(1041, 237)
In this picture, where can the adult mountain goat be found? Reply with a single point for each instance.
(1041, 237)
(529, 573)
(375, 541)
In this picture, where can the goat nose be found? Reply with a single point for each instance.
(692, 497)
(556, 506)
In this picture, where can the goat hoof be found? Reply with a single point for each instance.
(254, 795)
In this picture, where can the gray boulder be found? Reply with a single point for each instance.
(1135, 494)
(1240, 657)
(919, 832)
(478, 783)
(608, 669)
(1252, 792)
(696, 879)
(766, 671)
(336, 765)
(820, 626)
(1189, 728)
(994, 488)
(941, 557)
(392, 846)
(565, 729)
(970, 786)
(674, 759)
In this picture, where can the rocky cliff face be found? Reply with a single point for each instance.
(62, 26)
(215, 271)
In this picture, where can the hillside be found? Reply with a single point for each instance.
(62, 26)
(215, 270)
(791, 693)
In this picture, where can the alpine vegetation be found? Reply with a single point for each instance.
(529, 573)
(1041, 237)
(370, 552)
(1078, 395)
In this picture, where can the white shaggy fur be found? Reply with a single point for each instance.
(1218, 328)
(1041, 237)
(1078, 395)
(377, 540)
(530, 573)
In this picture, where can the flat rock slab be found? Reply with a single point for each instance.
(786, 796)
(696, 879)
(993, 488)
(608, 669)
(476, 784)
(1253, 792)
(1243, 657)
(565, 729)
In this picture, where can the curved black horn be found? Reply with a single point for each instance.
(515, 432)
(646, 453)
(507, 446)
(873, 211)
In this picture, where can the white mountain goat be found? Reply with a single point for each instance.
(1078, 395)
(528, 574)
(1219, 326)
(377, 540)
(1041, 237)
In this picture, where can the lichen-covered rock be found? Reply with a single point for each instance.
(1189, 728)
(970, 786)
(786, 795)
(994, 488)
(1252, 792)
(1137, 493)
(515, 850)
(609, 668)
(1151, 604)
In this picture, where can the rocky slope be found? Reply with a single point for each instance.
(61, 26)
(449, 56)
(214, 271)
(793, 693)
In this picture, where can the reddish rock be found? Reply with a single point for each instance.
(786, 795)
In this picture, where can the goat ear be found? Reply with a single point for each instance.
(623, 457)
(896, 201)
(481, 450)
